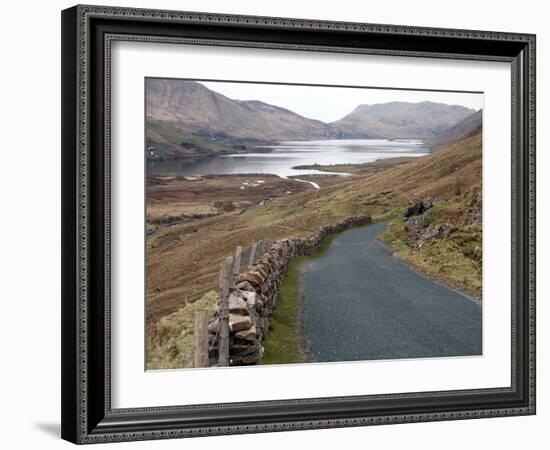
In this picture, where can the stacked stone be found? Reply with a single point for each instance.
(419, 228)
(253, 294)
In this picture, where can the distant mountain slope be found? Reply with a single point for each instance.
(401, 120)
(186, 119)
(192, 107)
(165, 141)
(465, 128)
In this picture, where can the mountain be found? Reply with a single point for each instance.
(401, 120)
(186, 119)
(465, 128)
(193, 108)
(166, 141)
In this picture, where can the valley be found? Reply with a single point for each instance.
(223, 173)
(183, 259)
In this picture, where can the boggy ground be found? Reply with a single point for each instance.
(193, 222)
(171, 199)
(183, 259)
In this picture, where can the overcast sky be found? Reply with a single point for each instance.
(332, 103)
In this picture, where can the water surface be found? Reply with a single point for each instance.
(281, 159)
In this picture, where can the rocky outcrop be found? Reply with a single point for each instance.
(437, 231)
(418, 227)
(253, 294)
(419, 208)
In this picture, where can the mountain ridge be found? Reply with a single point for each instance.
(208, 112)
(398, 119)
(467, 127)
(187, 119)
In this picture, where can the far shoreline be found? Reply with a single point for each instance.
(270, 147)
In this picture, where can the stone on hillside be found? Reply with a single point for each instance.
(246, 286)
(437, 231)
(259, 305)
(263, 270)
(247, 335)
(419, 208)
(428, 203)
(416, 223)
(253, 277)
(260, 275)
(238, 322)
(249, 297)
(237, 305)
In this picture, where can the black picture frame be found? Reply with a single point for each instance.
(87, 416)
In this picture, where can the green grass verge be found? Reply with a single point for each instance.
(455, 259)
(282, 345)
(173, 348)
(283, 342)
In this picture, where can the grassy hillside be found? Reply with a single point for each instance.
(168, 141)
(401, 120)
(434, 176)
(183, 260)
(193, 107)
(465, 128)
(176, 252)
(455, 259)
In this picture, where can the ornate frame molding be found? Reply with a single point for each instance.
(80, 423)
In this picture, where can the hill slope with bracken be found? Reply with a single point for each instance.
(401, 120)
(465, 128)
(433, 176)
(192, 107)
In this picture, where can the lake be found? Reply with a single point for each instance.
(280, 159)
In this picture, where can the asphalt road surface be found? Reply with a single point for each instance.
(359, 303)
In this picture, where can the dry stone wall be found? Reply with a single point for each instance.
(253, 294)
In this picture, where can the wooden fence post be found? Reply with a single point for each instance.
(237, 261)
(223, 342)
(252, 254)
(200, 354)
(263, 247)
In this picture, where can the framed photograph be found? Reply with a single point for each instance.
(280, 224)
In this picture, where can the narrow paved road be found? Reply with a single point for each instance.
(359, 303)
